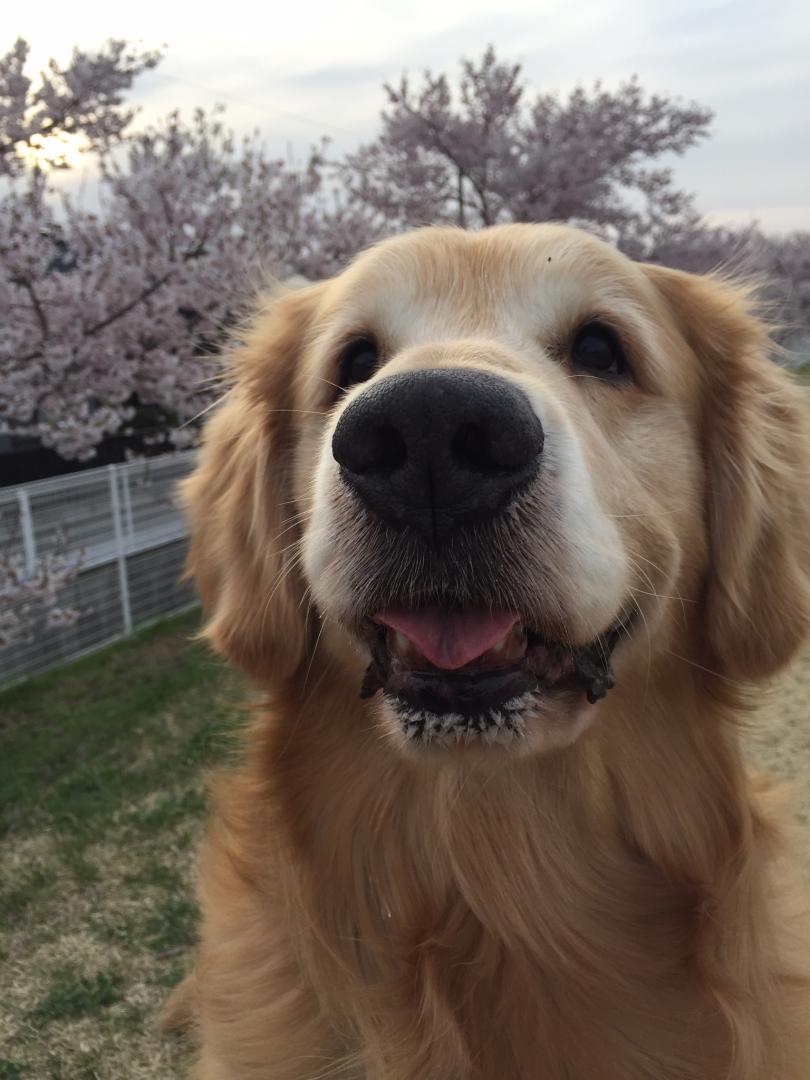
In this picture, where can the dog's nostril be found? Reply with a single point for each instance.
(498, 444)
(472, 447)
(378, 448)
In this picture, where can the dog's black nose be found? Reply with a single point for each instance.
(438, 449)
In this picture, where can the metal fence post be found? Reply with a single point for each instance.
(127, 504)
(120, 550)
(27, 530)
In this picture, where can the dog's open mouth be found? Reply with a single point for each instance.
(475, 671)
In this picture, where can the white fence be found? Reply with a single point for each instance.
(124, 522)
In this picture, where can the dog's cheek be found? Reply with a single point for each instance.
(651, 473)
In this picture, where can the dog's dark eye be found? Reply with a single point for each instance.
(358, 362)
(596, 349)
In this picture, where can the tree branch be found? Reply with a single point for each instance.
(195, 253)
(125, 310)
(435, 130)
(42, 318)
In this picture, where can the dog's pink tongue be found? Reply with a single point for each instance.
(449, 640)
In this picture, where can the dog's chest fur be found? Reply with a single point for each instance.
(481, 926)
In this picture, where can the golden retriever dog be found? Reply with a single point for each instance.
(504, 526)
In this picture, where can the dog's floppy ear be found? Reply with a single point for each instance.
(757, 448)
(239, 505)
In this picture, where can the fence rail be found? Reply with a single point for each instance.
(124, 525)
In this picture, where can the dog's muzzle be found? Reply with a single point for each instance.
(438, 458)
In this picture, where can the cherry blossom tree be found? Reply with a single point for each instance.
(784, 263)
(119, 314)
(84, 98)
(488, 154)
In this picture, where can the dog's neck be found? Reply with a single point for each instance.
(571, 886)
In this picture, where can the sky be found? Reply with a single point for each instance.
(297, 71)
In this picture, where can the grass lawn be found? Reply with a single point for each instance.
(101, 806)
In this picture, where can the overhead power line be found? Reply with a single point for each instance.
(265, 109)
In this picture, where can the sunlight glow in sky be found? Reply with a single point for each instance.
(51, 151)
(299, 71)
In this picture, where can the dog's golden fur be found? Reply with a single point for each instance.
(619, 908)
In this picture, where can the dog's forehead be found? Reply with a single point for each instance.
(515, 279)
